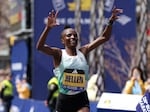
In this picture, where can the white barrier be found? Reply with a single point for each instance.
(117, 101)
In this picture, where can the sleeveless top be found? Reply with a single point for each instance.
(72, 73)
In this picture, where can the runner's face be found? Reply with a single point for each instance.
(70, 38)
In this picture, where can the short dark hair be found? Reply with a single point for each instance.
(67, 26)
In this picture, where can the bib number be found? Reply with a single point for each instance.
(74, 80)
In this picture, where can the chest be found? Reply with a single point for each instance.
(74, 61)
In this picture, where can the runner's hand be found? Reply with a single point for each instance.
(114, 15)
(51, 21)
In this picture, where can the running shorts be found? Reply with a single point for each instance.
(72, 103)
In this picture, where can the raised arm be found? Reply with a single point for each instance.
(41, 45)
(105, 35)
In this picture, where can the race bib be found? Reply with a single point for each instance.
(74, 80)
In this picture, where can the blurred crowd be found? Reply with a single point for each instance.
(7, 89)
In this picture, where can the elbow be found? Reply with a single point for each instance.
(38, 47)
(106, 38)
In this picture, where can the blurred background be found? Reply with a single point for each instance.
(22, 21)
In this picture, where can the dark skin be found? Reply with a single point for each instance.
(69, 39)
(71, 49)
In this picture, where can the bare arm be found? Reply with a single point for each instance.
(105, 35)
(42, 46)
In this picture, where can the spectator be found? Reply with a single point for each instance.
(6, 92)
(135, 84)
(53, 93)
(23, 88)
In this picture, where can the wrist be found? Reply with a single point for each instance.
(110, 22)
(48, 27)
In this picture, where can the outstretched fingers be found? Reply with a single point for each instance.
(118, 11)
(56, 14)
(53, 14)
(52, 18)
(115, 11)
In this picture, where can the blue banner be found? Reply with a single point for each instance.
(124, 31)
(31, 105)
(119, 50)
(19, 60)
(144, 104)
